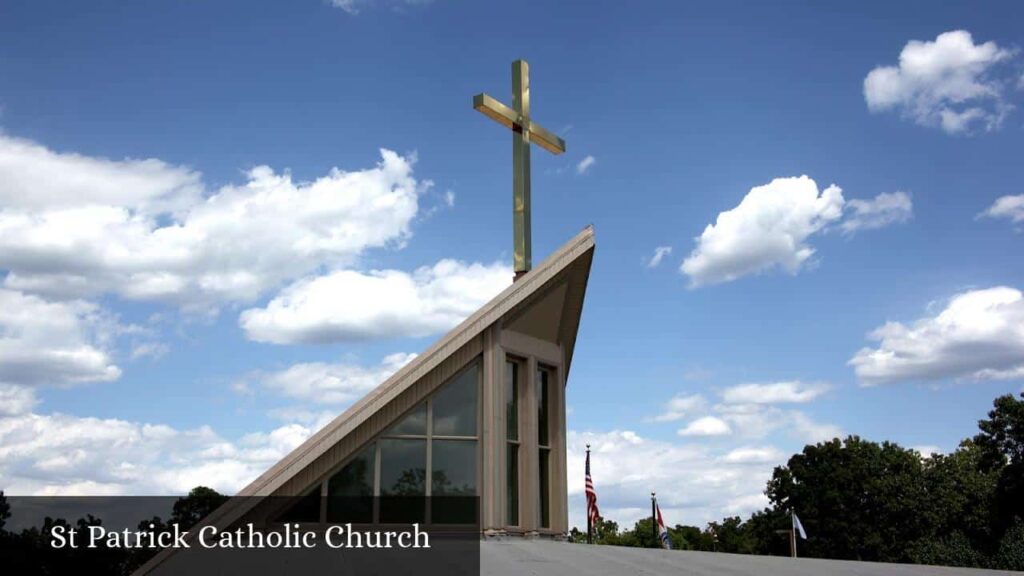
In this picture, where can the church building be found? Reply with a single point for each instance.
(481, 413)
(472, 432)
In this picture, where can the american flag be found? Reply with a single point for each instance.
(592, 512)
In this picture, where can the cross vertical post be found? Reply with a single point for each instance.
(521, 255)
(524, 132)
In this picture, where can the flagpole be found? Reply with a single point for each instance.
(792, 533)
(590, 523)
(654, 519)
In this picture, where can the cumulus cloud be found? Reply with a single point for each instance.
(951, 83)
(35, 178)
(15, 399)
(347, 305)
(773, 224)
(773, 393)
(769, 228)
(659, 254)
(586, 164)
(979, 335)
(753, 454)
(753, 412)
(60, 454)
(325, 383)
(885, 209)
(758, 421)
(706, 426)
(695, 484)
(54, 343)
(680, 406)
(1009, 207)
(73, 226)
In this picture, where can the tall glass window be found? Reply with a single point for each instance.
(429, 455)
(350, 490)
(512, 442)
(453, 461)
(543, 383)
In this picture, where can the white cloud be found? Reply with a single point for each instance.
(949, 82)
(34, 178)
(659, 254)
(59, 454)
(885, 209)
(694, 483)
(753, 454)
(152, 350)
(53, 343)
(680, 406)
(74, 226)
(773, 393)
(706, 426)
(978, 335)
(810, 431)
(353, 7)
(752, 412)
(1011, 207)
(768, 228)
(347, 305)
(586, 164)
(16, 399)
(772, 225)
(927, 450)
(759, 421)
(324, 383)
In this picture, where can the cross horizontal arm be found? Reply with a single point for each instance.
(508, 118)
(545, 139)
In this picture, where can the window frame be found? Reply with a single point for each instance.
(428, 437)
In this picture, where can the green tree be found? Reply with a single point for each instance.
(858, 500)
(960, 491)
(5, 511)
(1002, 442)
(731, 536)
(188, 511)
(690, 538)
(954, 549)
(763, 535)
(1010, 555)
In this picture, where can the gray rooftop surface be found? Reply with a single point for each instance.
(515, 557)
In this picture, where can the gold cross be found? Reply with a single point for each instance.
(524, 131)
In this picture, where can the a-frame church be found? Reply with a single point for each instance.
(472, 432)
(481, 412)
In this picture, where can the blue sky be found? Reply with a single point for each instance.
(113, 332)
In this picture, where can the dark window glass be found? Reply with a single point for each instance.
(403, 465)
(542, 406)
(306, 509)
(512, 400)
(545, 489)
(350, 490)
(455, 405)
(414, 424)
(512, 489)
(453, 482)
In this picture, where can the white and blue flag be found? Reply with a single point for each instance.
(798, 527)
